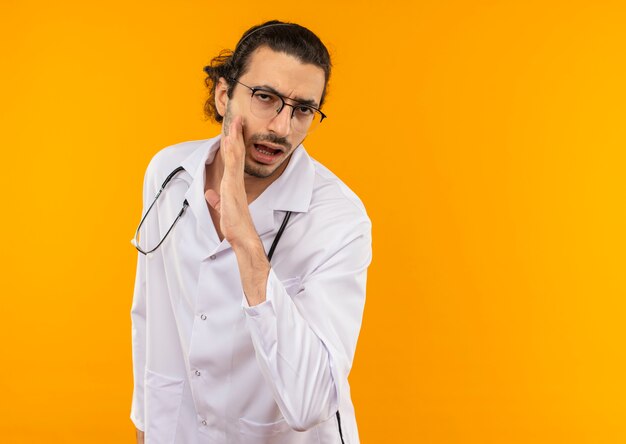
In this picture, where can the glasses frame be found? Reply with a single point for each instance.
(253, 90)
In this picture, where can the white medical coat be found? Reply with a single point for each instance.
(208, 368)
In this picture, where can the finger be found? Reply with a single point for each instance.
(235, 137)
(234, 147)
(237, 128)
(213, 199)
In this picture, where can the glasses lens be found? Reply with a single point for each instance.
(264, 104)
(314, 122)
(304, 118)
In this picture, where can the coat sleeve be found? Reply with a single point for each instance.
(138, 329)
(305, 344)
(138, 322)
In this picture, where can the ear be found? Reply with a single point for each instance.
(221, 96)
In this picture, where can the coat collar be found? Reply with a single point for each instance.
(292, 191)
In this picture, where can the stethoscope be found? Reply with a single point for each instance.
(135, 240)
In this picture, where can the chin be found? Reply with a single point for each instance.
(261, 171)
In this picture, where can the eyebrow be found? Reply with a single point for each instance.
(296, 99)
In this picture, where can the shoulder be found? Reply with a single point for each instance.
(334, 200)
(335, 230)
(328, 186)
(170, 157)
(166, 160)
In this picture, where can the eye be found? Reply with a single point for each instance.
(305, 111)
(265, 97)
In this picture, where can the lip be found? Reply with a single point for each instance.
(263, 158)
(272, 146)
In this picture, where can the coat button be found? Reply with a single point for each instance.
(197, 373)
(212, 257)
(204, 422)
(203, 317)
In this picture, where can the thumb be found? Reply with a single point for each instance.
(213, 199)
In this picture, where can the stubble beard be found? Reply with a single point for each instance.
(250, 167)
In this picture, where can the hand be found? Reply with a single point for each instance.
(232, 202)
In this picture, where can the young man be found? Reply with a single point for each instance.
(228, 346)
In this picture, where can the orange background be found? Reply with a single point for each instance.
(486, 139)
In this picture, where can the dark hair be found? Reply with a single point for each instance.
(289, 38)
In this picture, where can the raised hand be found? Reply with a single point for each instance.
(231, 202)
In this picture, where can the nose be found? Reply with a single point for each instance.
(281, 122)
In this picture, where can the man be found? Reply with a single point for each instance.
(229, 347)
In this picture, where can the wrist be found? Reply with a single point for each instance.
(248, 242)
(254, 268)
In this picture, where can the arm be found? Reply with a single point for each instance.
(304, 345)
(138, 328)
(235, 220)
(138, 321)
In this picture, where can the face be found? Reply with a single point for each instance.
(270, 142)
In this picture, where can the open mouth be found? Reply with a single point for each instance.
(266, 150)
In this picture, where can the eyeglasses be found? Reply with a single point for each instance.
(266, 104)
